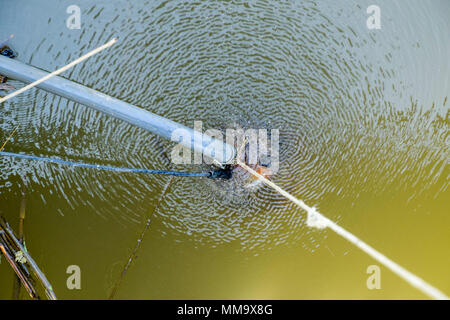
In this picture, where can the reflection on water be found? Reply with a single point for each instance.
(363, 131)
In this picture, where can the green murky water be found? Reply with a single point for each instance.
(363, 118)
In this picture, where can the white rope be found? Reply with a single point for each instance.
(57, 72)
(317, 220)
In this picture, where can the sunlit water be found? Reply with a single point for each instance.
(363, 120)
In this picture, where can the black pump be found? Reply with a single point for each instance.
(225, 173)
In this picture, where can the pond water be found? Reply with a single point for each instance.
(363, 118)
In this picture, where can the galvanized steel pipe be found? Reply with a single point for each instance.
(161, 126)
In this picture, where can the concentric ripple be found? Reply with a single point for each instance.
(331, 89)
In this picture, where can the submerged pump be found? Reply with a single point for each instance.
(223, 173)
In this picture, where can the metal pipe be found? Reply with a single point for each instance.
(202, 143)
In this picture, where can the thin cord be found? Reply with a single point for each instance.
(107, 168)
(6, 41)
(9, 138)
(317, 220)
(55, 73)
